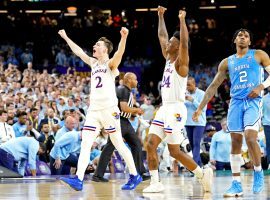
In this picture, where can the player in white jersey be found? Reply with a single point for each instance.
(171, 117)
(103, 111)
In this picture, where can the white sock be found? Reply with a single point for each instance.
(119, 144)
(88, 138)
(237, 178)
(198, 172)
(154, 176)
(235, 160)
(258, 168)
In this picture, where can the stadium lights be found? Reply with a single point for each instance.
(141, 9)
(3, 11)
(153, 9)
(33, 11)
(70, 14)
(228, 7)
(207, 7)
(52, 11)
(72, 9)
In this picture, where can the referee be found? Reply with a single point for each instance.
(125, 99)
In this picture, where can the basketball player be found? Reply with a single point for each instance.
(246, 75)
(171, 117)
(103, 110)
(125, 98)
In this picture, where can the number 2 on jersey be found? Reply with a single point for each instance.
(166, 81)
(243, 76)
(99, 84)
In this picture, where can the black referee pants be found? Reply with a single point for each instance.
(133, 141)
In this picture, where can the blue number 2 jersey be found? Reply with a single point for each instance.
(245, 74)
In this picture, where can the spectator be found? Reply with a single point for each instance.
(266, 123)
(64, 152)
(220, 148)
(194, 129)
(6, 131)
(15, 153)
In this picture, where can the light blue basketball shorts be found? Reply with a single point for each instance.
(244, 113)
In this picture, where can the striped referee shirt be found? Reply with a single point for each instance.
(124, 94)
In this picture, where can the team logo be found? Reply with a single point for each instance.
(178, 117)
(249, 58)
(116, 115)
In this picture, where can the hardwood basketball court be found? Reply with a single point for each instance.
(177, 186)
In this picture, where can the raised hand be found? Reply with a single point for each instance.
(161, 10)
(62, 33)
(124, 32)
(182, 14)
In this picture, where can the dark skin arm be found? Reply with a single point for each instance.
(211, 90)
(162, 31)
(182, 62)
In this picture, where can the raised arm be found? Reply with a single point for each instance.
(162, 31)
(211, 90)
(76, 49)
(182, 62)
(117, 57)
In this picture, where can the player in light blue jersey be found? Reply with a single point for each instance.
(246, 75)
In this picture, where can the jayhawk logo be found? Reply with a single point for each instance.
(178, 117)
(116, 115)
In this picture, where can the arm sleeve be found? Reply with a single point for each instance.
(32, 154)
(213, 147)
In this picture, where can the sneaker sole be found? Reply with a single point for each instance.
(64, 183)
(234, 195)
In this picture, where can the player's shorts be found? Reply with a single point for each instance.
(244, 114)
(108, 118)
(169, 122)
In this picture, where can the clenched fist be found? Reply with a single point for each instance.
(182, 14)
(161, 10)
(124, 32)
(62, 33)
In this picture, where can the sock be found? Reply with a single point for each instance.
(154, 176)
(88, 138)
(118, 143)
(235, 160)
(258, 168)
(198, 172)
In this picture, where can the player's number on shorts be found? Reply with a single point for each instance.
(99, 84)
(243, 76)
(166, 81)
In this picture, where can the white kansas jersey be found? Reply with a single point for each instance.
(103, 94)
(173, 86)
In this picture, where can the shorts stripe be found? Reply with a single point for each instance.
(88, 129)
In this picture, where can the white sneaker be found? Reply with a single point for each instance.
(207, 179)
(154, 188)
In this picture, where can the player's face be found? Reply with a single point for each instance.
(242, 39)
(134, 81)
(172, 45)
(99, 49)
